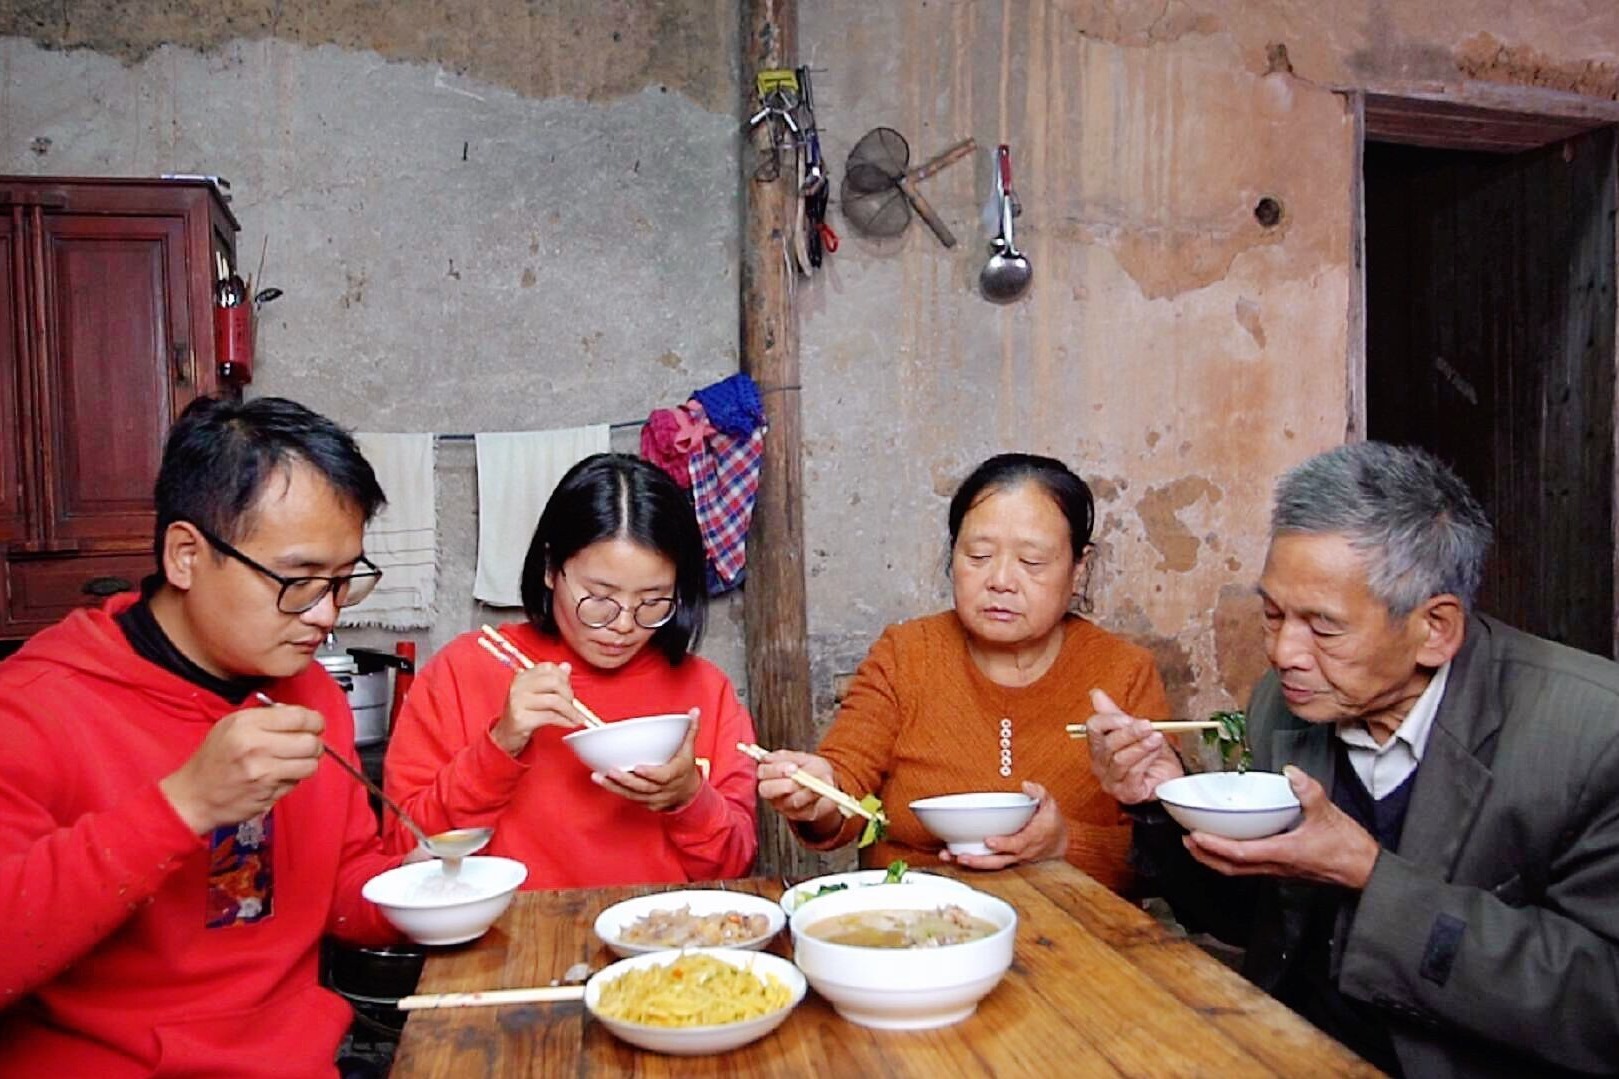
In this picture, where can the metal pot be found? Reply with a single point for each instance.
(362, 673)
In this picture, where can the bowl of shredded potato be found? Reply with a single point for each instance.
(689, 918)
(705, 1000)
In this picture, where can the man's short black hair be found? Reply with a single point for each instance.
(220, 454)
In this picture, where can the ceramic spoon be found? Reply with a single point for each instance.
(450, 846)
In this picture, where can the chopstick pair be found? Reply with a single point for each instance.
(847, 804)
(539, 994)
(1168, 726)
(497, 644)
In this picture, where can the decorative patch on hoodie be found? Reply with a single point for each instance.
(241, 886)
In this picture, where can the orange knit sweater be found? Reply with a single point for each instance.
(921, 719)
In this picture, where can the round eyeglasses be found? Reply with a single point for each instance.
(599, 612)
(301, 594)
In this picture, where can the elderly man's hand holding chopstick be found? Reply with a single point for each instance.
(1128, 757)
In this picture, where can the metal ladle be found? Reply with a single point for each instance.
(1006, 275)
(451, 846)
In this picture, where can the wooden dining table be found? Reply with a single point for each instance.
(1096, 987)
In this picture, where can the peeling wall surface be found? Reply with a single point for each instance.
(498, 215)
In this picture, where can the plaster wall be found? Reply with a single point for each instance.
(499, 215)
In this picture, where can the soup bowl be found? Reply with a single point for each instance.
(431, 909)
(1247, 805)
(904, 988)
(625, 743)
(964, 821)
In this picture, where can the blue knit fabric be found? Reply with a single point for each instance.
(733, 405)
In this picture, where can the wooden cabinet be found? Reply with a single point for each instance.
(106, 314)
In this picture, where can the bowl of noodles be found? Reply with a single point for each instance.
(705, 1000)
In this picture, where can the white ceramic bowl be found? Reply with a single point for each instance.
(691, 1041)
(1246, 806)
(625, 743)
(612, 922)
(429, 911)
(904, 988)
(964, 820)
(805, 890)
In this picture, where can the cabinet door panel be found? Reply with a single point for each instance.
(13, 522)
(117, 287)
(40, 591)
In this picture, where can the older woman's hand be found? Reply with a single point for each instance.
(1128, 758)
(1043, 838)
(792, 799)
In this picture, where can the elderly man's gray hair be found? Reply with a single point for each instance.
(1419, 529)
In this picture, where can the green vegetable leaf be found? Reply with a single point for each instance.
(1232, 739)
(896, 871)
(874, 829)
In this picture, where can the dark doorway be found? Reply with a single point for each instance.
(1490, 340)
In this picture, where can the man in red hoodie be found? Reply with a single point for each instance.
(171, 848)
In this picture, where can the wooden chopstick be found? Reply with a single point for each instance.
(498, 645)
(847, 804)
(1172, 726)
(539, 994)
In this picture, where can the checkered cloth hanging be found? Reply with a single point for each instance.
(724, 482)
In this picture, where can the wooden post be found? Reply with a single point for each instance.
(773, 604)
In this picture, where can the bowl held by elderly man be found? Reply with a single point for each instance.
(1236, 805)
(964, 821)
(625, 743)
(904, 988)
(431, 907)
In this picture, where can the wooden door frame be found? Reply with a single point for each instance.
(1464, 116)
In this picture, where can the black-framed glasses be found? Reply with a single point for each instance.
(300, 594)
(599, 612)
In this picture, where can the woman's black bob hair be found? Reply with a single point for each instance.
(616, 496)
(1072, 495)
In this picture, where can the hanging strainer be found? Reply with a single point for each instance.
(879, 187)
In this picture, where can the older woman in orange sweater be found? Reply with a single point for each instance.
(976, 698)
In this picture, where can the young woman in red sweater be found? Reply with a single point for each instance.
(614, 590)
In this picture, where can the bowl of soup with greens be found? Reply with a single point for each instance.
(904, 958)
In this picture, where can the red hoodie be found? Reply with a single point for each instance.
(447, 772)
(106, 968)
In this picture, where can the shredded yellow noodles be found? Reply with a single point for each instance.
(693, 991)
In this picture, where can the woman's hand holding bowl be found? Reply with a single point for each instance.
(539, 696)
(1043, 838)
(660, 787)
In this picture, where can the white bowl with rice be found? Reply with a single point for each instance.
(747, 1000)
(431, 907)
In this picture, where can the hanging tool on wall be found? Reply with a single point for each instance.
(779, 99)
(879, 186)
(818, 238)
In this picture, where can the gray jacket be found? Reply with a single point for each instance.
(1490, 938)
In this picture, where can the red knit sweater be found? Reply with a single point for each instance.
(106, 967)
(447, 772)
(921, 719)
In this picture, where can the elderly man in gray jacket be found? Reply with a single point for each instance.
(1449, 903)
